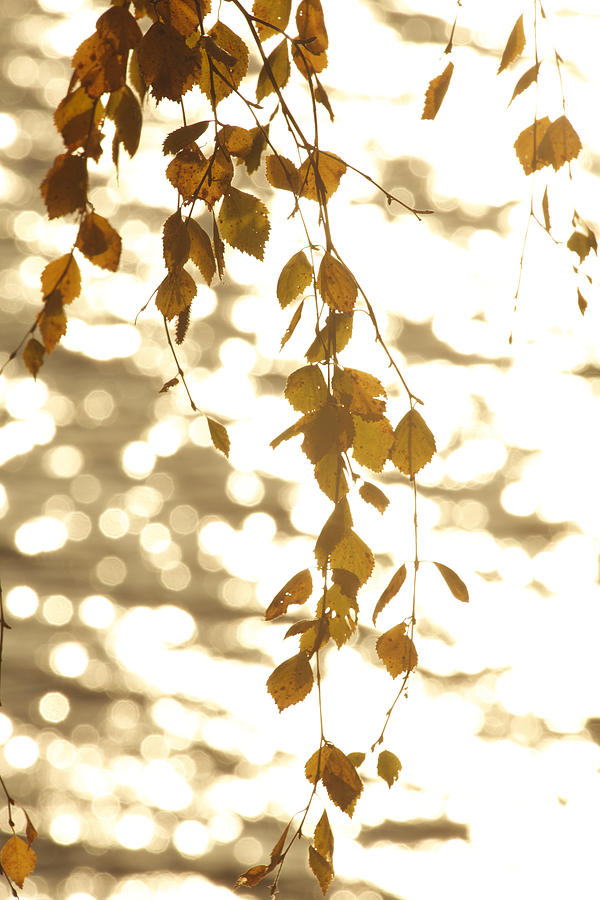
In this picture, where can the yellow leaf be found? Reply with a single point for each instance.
(358, 392)
(315, 637)
(330, 169)
(527, 146)
(182, 14)
(219, 436)
(176, 242)
(341, 781)
(352, 554)
(277, 12)
(332, 338)
(292, 326)
(291, 681)
(166, 62)
(323, 839)
(33, 356)
(30, 830)
(99, 65)
(201, 251)
(185, 171)
(357, 759)
(237, 141)
(396, 650)
(53, 321)
(391, 590)
(321, 869)
(295, 276)
(226, 75)
(436, 92)
(330, 428)
(244, 222)
(546, 209)
(372, 442)
(215, 179)
(175, 293)
(78, 117)
(414, 444)
(125, 111)
(63, 276)
(219, 248)
(252, 876)
(525, 80)
(315, 765)
(311, 26)
(259, 142)
(560, 143)
(514, 45)
(297, 590)
(337, 525)
(306, 389)
(282, 173)
(99, 241)
(388, 767)
(373, 495)
(183, 137)
(457, 587)
(18, 860)
(277, 68)
(308, 64)
(64, 189)
(336, 284)
(329, 472)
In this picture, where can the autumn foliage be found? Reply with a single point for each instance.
(180, 50)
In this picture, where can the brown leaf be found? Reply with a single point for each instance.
(396, 650)
(282, 173)
(252, 876)
(525, 80)
(227, 70)
(126, 113)
(33, 357)
(182, 15)
(183, 137)
(118, 26)
(341, 780)
(323, 839)
(244, 222)
(259, 142)
(176, 242)
(18, 860)
(336, 284)
(436, 92)
(292, 326)
(373, 495)
(218, 248)
(388, 767)
(236, 141)
(276, 69)
(514, 45)
(546, 210)
(201, 251)
(391, 590)
(30, 830)
(295, 276)
(353, 555)
(359, 392)
(330, 428)
(329, 472)
(357, 759)
(337, 525)
(53, 321)
(291, 681)
(321, 868)
(311, 26)
(64, 189)
(457, 587)
(332, 338)
(296, 591)
(414, 444)
(99, 66)
(219, 436)
(329, 168)
(185, 172)
(99, 241)
(175, 293)
(527, 146)
(560, 143)
(168, 385)
(77, 118)
(308, 64)
(215, 179)
(62, 277)
(166, 62)
(581, 303)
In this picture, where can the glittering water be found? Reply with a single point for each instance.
(137, 563)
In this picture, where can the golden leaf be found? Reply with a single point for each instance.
(332, 338)
(63, 276)
(175, 293)
(311, 26)
(580, 244)
(341, 781)
(373, 495)
(282, 173)
(315, 765)
(33, 357)
(219, 248)
(336, 284)
(323, 839)
(391, 590)
(329, 472)
(77, 118)
(321, 868)
(201, 251)
(18, 860)
(330, 429)
(330, 169)
(295, 276)
(388, 767)
(292, 326)
(252, 876)
(186, 170)
(457, 587)
(219, 436)
(225, 76)
(182, 15)
(166, 62)
(276, 68)
(527, 146)
(126, 113)
(259, 142)
(414, 444)
(183, 137)
(30, 830)
(296, 591)
(277, 12)
(546, 209)
(291, 681)
(99, 241)
(525, 80)
(337, 525)
(237, 141)
(396, 650)
(514, 45)
(244, 222)
(436, 92)
(581, 303)
(315, 637)
(560, 143)
(176, 242)
(308, 64)
(357, 759)
(372, 442)
(347, 581)
(358, 392)
(99, 66)
(300, 627)
(353, 555)
(64, 189)
(306, 389)
(216, 177)
(53, 321)
(118, 26)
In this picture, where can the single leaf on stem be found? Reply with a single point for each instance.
(297, 590)
(391, 590)
(388, 767)
(436, 92)
(457, 587)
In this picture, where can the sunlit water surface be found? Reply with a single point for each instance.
(136, 728)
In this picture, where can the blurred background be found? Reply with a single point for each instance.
(136, 562)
